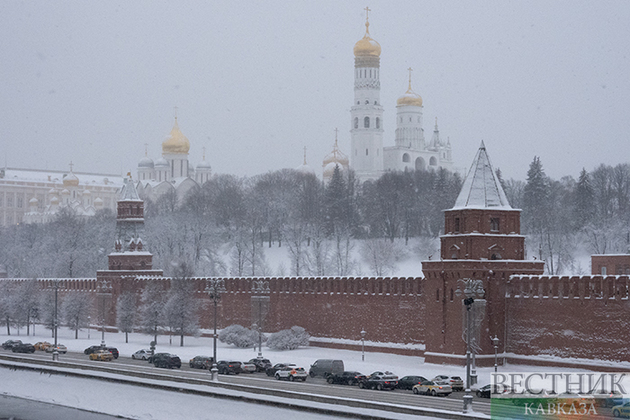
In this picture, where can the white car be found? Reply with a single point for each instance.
(143, 354)
(292, 373)
(247, 367)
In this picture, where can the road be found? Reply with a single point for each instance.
(261, 382)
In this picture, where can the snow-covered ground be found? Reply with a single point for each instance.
(143, 403)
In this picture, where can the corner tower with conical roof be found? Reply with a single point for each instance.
(366, 156)
(481, 241)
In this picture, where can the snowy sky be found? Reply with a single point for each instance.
(255, 82)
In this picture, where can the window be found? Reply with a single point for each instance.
(437, 295)
(405, 157)
(367, 102)
(20, 202)
(456, 227)
(433, 161)
(494, 224)
(366, 152)
(9, 200)
(378, 122)
(356, 122)
(603, 271)
(366, 122)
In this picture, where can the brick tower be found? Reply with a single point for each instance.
(130, 257)
(481, 241)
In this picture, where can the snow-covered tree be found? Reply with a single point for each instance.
(75, 311)
(381, 255)
(126, 310)
(289, 339)
(153, 299)
(181, 308)
(239, 336)
(26, 303)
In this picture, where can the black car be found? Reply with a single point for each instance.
(346, 378)
(8, 345)
(112, 350)
(166, 360)
(271, 371)
(227, 367)
(92, 349)
(201, 362)
(261, 364)
(23, 348)
(380, 381)
(407, 382)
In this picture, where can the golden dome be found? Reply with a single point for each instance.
(176, 142)
(410, 98)
(367, 47)
(336, 156)
(70, 180)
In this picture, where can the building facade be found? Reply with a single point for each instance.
(369, 158)
(37, 195)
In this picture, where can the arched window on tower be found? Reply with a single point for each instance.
(356, 122)
(366, 122)
(433, 161)
(405, 157)
(378, 122)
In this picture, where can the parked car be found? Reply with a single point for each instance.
(7, 345)
(101, 355)
(380, 381)
(227, 367)
(113, 351)
(454, 381)
(326, 367)
(92, 349)
(143, 354)
(60, 349)
(23, 348)
(292, 373)
(41, 345)
(346, 378)
(622, 410)
(486, 390)
(247, 367)
(261, 364)
(166, 360)
(408, 382)
(432, 388)
(201, 362)
(272, 370)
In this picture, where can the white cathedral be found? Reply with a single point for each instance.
(368, 158)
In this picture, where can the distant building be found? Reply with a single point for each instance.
(610, 264)
(411, 151)
(172, 172)
(37, 195)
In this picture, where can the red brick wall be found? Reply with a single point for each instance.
(615, 264)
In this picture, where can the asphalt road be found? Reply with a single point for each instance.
(21, 409)
(316, 385)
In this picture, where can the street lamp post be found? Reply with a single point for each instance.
(363, 345)
(55, 353)
(260, 288)
(472, 289)
(495, 343)
(214, 288)
(89, 324)
(103, 290)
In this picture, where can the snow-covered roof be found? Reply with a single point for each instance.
(129, 192)
(43, 175)
(482, 189)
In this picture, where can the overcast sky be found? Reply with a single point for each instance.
(255, 82)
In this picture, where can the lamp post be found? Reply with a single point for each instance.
(260, 288)
(55, 285)
(214, 288)
(472, 289)
(89, 324)
(363, 344)
(495, 343)
(103, 290)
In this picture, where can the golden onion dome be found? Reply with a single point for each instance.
(367, 47)
(336, 156)
(176, 142)
(70, 180)
(410, 98)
